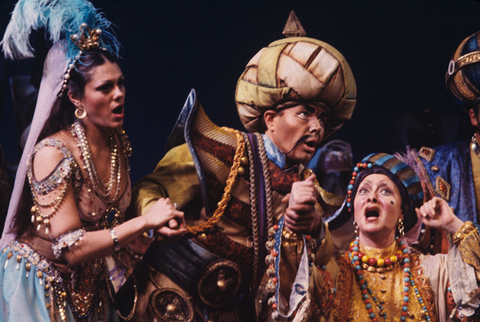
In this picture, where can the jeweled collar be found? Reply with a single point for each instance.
(372, 251)
(273, 153)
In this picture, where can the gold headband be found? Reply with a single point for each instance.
(465, 60)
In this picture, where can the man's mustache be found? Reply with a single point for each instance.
(302, 139)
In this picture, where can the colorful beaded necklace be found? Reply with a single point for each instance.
(356, 258)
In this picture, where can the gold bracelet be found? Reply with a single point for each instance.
(466, 228)
(113, 234)
(289, 238)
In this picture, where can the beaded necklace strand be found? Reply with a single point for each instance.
(102, 190)
(357, 258)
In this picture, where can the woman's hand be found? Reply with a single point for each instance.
(436, 213)
(171, 232)
(166, 220)
(301, 215)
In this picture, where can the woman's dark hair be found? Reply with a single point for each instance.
(62, 113)
(61, 118)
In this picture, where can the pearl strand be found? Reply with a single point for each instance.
(102, 190)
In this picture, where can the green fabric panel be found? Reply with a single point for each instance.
(259, 96)
(267, 66)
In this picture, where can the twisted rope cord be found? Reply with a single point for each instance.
(269, 207)
(228, 188)
(253, 206)
(268, 182)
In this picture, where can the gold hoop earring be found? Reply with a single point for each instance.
(355, 225)
(400, 227)
(80, 112)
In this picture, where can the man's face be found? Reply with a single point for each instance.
(475, 118)
(296, 131)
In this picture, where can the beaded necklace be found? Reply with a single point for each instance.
(61, 175)
(356, 257)
(101, 190)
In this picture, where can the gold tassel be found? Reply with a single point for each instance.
(10, 255)
(19, 260)
(40, 275)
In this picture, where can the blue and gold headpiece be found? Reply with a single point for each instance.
(400, 173)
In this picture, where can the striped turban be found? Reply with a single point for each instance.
(296, 70)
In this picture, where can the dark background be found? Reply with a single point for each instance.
(398, 51)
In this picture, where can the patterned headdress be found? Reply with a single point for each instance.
(400, 173)
(296, 70)
(73, 26)
(463, 75)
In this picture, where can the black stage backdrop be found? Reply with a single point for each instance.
(398, 51)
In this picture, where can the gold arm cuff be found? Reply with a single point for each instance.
(460, 235)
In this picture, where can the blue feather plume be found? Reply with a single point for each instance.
(61, 19)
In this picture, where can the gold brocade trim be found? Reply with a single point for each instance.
(423, 285)
(467, 59)
(344, 293)
(234, 170)
(464, 87)
(466, 229)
